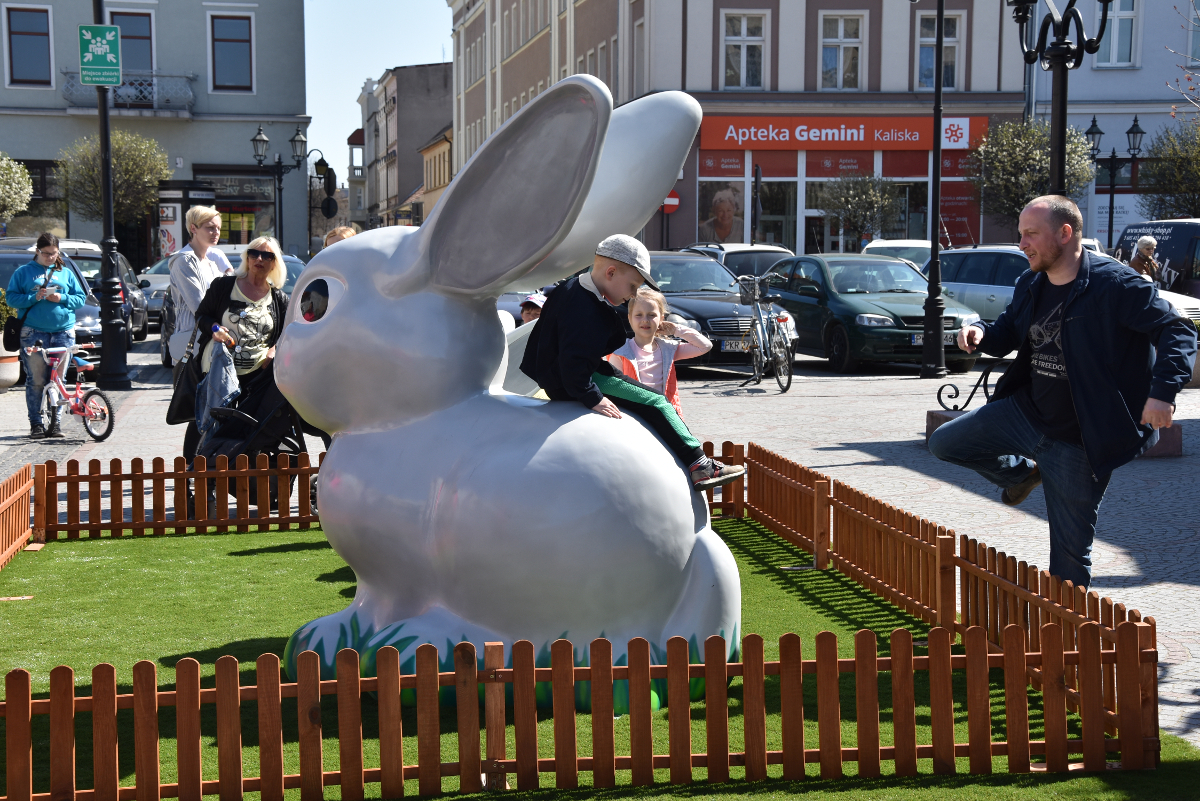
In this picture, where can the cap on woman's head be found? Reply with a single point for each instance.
(627, 250)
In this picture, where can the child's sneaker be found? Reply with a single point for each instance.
(712, 473)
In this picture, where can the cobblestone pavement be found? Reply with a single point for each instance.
(866, 430)
(869, 431)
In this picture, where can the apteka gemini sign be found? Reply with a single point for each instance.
(838, 133)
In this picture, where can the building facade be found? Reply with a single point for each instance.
(356, 181)
(401, 112)
(199, 78)
(1142, 55)
(807, 91)
(437, 160)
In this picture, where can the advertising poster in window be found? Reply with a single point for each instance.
(721, 211)
(960, 213)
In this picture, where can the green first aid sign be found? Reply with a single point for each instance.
(99, 55)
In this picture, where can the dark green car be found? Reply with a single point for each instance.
(852, 308)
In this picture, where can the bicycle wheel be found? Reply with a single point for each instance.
(99, 419)
(781, 357)
(49, 398)
(757, 361)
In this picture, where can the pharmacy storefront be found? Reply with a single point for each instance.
(799, 155)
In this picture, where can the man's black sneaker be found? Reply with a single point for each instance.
(714, 474)
(54, 432)
(1014, 495)
(36, 431)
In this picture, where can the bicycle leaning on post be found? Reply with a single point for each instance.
(91, 405)
(769, 344)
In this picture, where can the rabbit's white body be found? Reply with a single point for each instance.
(466, 512)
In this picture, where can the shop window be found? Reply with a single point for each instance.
(778, 221)
(927, 58)
(1118, 47)
(232, 53)
(721, 211)
(841, 52)
(911, 220)
(745, 43)
(29, 47)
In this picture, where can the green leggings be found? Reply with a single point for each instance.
(655, 411)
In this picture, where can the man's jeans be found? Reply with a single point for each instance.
(39, 373)
(1000, 443)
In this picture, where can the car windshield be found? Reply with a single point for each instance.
(89, 266)
(914, 253)
(676, 274)
(863, 276)
(162, 268)
(749, 262)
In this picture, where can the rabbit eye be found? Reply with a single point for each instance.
(318, 297)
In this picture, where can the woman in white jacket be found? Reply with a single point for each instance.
(191, 273)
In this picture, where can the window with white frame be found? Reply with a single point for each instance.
(1118, 47)
(745, 46)
(30, 51)
(927, 62)
(602, 62)
(841, 52)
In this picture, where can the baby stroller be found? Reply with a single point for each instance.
(258, 420)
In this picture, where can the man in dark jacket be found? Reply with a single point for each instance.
(1100, 358)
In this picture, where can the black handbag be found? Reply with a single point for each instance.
(185, 378)
(12, 331)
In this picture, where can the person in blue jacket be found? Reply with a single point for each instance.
(1100, 358)
(47, 293)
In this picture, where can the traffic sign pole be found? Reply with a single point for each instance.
(669, 206)
(100, 64)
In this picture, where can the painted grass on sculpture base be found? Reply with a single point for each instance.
(167, 597)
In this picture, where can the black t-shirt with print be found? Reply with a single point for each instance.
(1046, 400)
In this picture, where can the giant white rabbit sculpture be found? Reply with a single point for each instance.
(468, 513)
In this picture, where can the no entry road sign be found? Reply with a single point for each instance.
(671, 204)
(99, 55)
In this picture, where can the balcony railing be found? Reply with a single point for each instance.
(149, 89)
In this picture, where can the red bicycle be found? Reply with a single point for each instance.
(89, 404)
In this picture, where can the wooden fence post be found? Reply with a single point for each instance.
(979, 705)
(39, 503)
(429, 736)
(941, 700)
(1016, 699)
(754, 718)
(525, 715)
(641, 744)
(62, 734)
(104, 734)
(1091, 706)
(308, 712)
(716, 708)
(562, 666)
(679, 711)
(1129, 696)
(829, 706)
(1054, 699)
(866, 683)
(944, 597)
(791, 703)
(493, 714)
(349, 706)
(18, 735)
(229, 729)
(187, 734)
(391, 724)
(270, 723)
(1146, 642)
(904, 712)
(147, 769)
(821, 523)
(604, 760)
(466, 686)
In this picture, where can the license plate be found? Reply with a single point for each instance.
(735, 345)
(948, 338)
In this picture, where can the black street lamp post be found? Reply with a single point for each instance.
(114, 370)
(1057, 57)
(1134, 139)
(933, 350)
(300, 153)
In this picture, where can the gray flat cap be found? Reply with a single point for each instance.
(628, 250)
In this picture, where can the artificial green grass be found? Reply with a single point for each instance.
(164, 598)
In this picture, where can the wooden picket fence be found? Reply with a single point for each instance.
(492, 765)
(16, 493)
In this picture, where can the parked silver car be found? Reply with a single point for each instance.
(982, 277)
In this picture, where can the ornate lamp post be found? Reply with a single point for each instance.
(300, 153)
(1057, 57)
(933, 350)
(1134, 138)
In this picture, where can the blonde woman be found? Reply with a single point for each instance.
(192, 271)
(338, 234)
(1143, 258)
(248, 308)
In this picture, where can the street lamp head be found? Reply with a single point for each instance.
(260, 143)
(1135, 135)
(321, 166)
(299, 146)
(1022, 9)
(1093, 135)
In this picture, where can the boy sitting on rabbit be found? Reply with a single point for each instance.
(581, 323)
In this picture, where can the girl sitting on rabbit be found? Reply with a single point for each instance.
(648, 357)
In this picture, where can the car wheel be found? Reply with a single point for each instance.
(164, 352)
(140, 336)
(961, 365)
(840, 360)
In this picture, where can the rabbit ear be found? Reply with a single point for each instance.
(521, 192)
(648, 141)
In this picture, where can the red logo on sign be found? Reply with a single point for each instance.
(954, 132)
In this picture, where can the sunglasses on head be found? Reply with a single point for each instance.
(265, 255)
